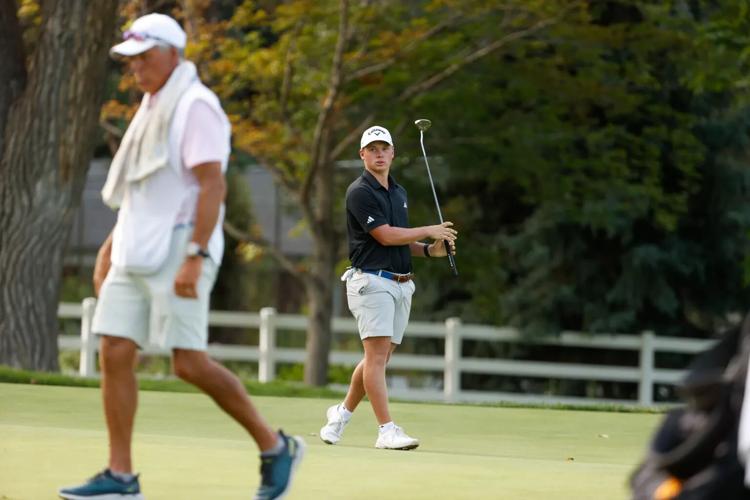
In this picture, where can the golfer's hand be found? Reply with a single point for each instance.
(186, 281)
(442, 231)
(437, 248)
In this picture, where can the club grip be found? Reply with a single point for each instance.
(451, 259)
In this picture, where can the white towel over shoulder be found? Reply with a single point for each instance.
(145, 147)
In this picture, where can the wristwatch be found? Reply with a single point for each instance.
(195, 250)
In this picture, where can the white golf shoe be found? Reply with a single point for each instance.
(333, 430)
(396, 439)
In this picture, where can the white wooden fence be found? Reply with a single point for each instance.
(452, 364)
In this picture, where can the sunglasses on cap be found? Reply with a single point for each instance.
(141, 37)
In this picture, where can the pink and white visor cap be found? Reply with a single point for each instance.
(148, 31)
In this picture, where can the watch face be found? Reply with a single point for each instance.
(193, 249)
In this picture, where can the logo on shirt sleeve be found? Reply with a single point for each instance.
(370, 220)
(404, 204)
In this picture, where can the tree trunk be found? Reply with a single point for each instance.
(321, 279)
(44, 156)
(320, 303)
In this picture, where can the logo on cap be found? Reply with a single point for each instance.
(375, 133)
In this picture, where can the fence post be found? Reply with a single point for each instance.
(87, 363)
(646, 382)
(452, 371)
(267, 344)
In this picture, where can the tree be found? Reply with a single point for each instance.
(619, 189)
(49, 106)
(302, 79)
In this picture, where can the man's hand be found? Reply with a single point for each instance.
(442, 231)
(437, 248)
(186, 281)
(443, 234)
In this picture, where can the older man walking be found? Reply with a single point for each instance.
(155, 272)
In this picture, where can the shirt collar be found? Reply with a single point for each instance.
(374, 182)
(152, 99)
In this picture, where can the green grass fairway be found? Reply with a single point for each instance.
(187, 449)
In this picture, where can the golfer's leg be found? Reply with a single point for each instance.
(117, 357)
(356, 388)
(377, 351)
(226, 390)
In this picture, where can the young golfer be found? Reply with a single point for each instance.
(379, 285)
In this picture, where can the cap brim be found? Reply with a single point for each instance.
(131, 47)
(361, 145)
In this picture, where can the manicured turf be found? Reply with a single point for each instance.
(187, 449)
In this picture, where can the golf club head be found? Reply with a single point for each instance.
(423, 124)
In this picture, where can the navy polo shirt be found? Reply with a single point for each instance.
(370, 205)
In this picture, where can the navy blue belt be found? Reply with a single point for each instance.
(401, 278)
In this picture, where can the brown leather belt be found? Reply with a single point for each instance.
(400, 278)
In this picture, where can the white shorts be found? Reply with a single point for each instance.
(380, 305)
(145, 308)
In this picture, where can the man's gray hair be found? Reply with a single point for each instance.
(163, 46)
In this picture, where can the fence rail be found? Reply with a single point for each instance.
(452, 364)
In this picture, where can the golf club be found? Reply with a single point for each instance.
(423, 124)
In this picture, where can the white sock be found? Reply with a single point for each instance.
(277, 448)
(344, 412)
(122, 476)
(386, 427)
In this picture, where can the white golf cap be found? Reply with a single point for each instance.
(376, 133)
(148, 31)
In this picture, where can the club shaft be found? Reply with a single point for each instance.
(451, 260)
(429, 174)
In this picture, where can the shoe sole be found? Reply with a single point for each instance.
(326, 441)
(301, 446)
(108, 496)
(320, 435)
(402, 448)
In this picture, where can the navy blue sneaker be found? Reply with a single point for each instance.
(104, 486)
(276, 471)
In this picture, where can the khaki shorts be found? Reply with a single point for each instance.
(381, 306)
(145, 308)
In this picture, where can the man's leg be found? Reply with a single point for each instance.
(377, 353)
(226, 390)
(117, 357)
(338, 415)
(357, 386)
(373, 311)
(280, 454)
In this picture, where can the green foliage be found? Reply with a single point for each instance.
(594, 161)
(609, 192)
(276, 388)
(295, 372)
(74, 288)
(242, 268)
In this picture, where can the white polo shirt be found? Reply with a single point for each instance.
(151, 208)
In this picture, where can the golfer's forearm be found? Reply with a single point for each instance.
(207, 212)
(395, 236)
(417, 249)
(102, 264)
(104, 255)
